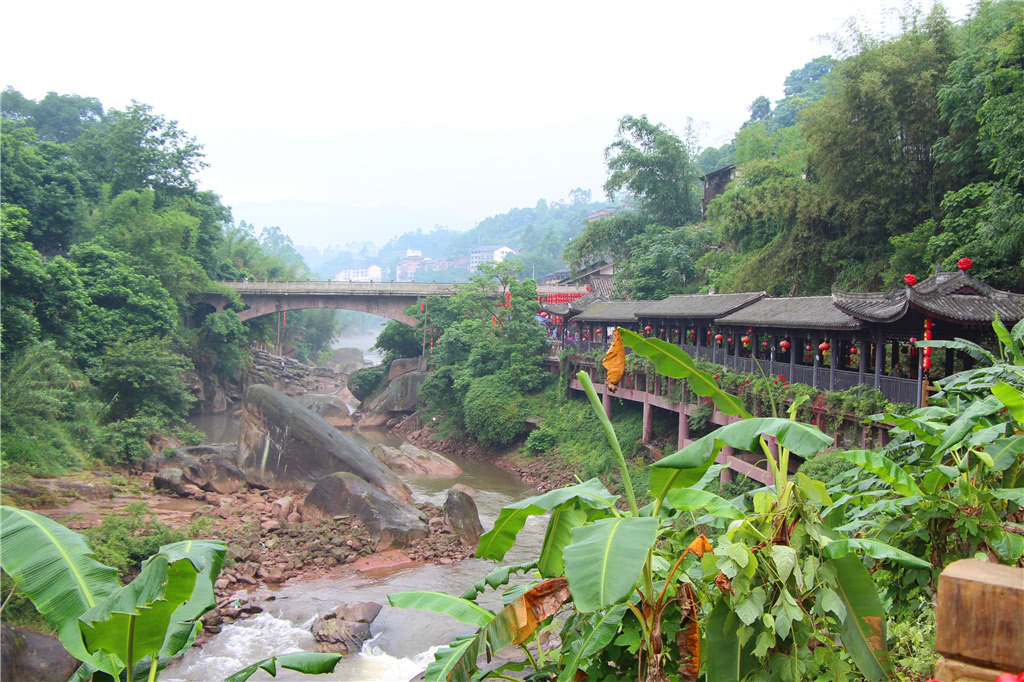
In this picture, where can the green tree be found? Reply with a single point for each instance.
(143, 378)
(664, 262)
(654, 165)
(399, 340)
(760, 108)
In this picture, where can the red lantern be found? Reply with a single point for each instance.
(750, 330)
(543, 314)
(927, 323)
(729, 340)
(853, 350)
(808, 347)
(784, 344)
(927, 351)
(824, 346)
(909, 279)
(718, 338)
(964, 264)
(494, 320)
(927, 334)
(588, 287)
(647, 329)
(926, 363)
(764, 344)
(745, 340)
(423, 306)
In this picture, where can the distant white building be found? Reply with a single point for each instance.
(410, 253)
(371, 273)
(407, 267)
(488, 254)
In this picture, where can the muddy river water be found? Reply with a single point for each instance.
(403, 640)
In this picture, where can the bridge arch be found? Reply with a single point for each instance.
(391, 307)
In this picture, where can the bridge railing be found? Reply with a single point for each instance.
(335, 287)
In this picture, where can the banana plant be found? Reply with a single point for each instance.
(129, 632)
(950, 481)
(778, 580)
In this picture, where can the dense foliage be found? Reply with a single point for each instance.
(900, 157)
(798, 580)
(106, 240)
(489, 329)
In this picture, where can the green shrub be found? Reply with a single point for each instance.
(364, 382)
(826, 466)
(494, 413)
(912, 644)
(540, 441)
(124, 540)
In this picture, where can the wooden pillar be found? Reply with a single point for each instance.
(862, 353)
(920, 378)
(816, 356)
(726, 452)
(879, 358)
(771, 355)
(792, 358)
(684, 418)
(645, 435)
(895, 359)
(836, 350)
(735, 351)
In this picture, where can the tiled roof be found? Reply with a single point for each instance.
(803, 312)
(949, 295)
(700, 305)
(612, 311)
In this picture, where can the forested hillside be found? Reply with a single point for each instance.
(105, 239)
(904, 156)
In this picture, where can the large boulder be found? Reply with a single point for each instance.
(400, 395)
(402, 366)
(173, 480)
(390, 522)
(461, 515)
(34, 657)
(334, 410)
(210, 468)
(344, 630)
(283, 443)
(409, 459)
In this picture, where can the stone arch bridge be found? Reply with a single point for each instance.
(387, 299)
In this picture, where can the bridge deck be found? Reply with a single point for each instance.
(332, 288)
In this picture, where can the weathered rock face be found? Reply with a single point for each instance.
(391, 522)
(400, 395)
(461, 515)
(334, 410)
(289, 375)
(402, 366)
(172, 479)
(410, 459)
(344, 630)
(33, 657)
(283, 443)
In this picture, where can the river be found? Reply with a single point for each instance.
(403, 640)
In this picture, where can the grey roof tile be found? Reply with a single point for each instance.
(700, 305)
(800, 312)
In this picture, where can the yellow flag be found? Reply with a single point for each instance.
(615, 362)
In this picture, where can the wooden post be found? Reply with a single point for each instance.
(792, 359)
(816, 355)
(736, 350)
(879, 358)
(645, 435)
(836, 350)
(978, 626)
(684, 418)
(863, 352)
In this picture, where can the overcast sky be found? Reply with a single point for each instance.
(351, 121)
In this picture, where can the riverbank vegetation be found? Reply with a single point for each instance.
(106, 242)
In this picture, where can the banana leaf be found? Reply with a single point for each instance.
(863, 629)
(133, 622)
(873, 548)
(886, 469)
(674, 362)
(54, 567)
(606, 558)
(496, 542)
(462, 610)
(303, 662)
(691, 499)
(496, 578)
(557, 536)
(686, 467)
(597, 633)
